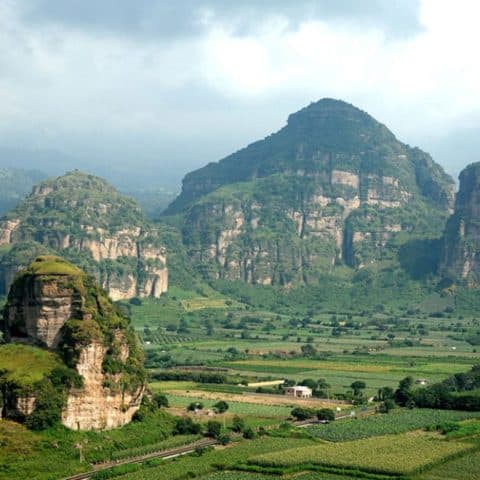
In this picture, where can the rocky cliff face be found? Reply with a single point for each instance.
(39, 306)
(93, 406)
(332, 187)
(87, 221)
(55, 306)
(462, 235)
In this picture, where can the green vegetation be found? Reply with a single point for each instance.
(394, 454)
(395, 422)
(51, 265)
(72, 215)
(56, 452)
(24, 365)
(212, 461)
(463, 468)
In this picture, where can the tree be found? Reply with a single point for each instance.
(214, 429)
(224, 439)
(221, 406)
(186, 425)
(238, 424)
(248, 433)
(309, 382)
(301, 413)
(48, 407)
(160, 400)
(385, 393)
(183, 327)
(195, 406)
(308, 350)
(403, 394)
(323, 387)
(326, 414)
(357, 387)
(386, 406)
(209, 327)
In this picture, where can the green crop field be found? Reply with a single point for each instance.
(393, 454)
(211, 461)
(259, 476)
(466, 467)
(397, 421)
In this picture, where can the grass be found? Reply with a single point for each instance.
(25, 365)
(392, 454)
(397, 421)
(52, 265)
(54, 453)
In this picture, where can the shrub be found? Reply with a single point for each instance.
(48, 406)
(301, 413)
(186, 425)
(195, 406)
(214, 429)
(160, 400)
(326, 414)
(238, 424)
(221, 406)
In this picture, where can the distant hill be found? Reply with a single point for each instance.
(332, 189)
(87, 221)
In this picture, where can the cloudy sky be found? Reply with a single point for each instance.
(149, 89)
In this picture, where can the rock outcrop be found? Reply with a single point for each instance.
(54, 305)
(87, 221)
(333, 187)
(462, 234)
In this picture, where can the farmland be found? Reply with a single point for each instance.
(211, 461)
(393, 454)
(397, 421)
(464, 468)
(202, 348)
(187, 334)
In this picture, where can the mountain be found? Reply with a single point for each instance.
(333, 187)
(15, 185)
(462, 235)
(76, 358)
(86, 220)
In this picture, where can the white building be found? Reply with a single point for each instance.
(299, 391)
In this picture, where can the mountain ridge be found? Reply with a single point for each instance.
(321, 126)
(332, 187)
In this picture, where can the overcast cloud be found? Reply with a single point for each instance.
(153, 89)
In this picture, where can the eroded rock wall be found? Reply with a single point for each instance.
(94, 406)
(286, 239)
(462, 235)
(38, 308)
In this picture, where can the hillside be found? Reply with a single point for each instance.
(333, 188)
(86, 220)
